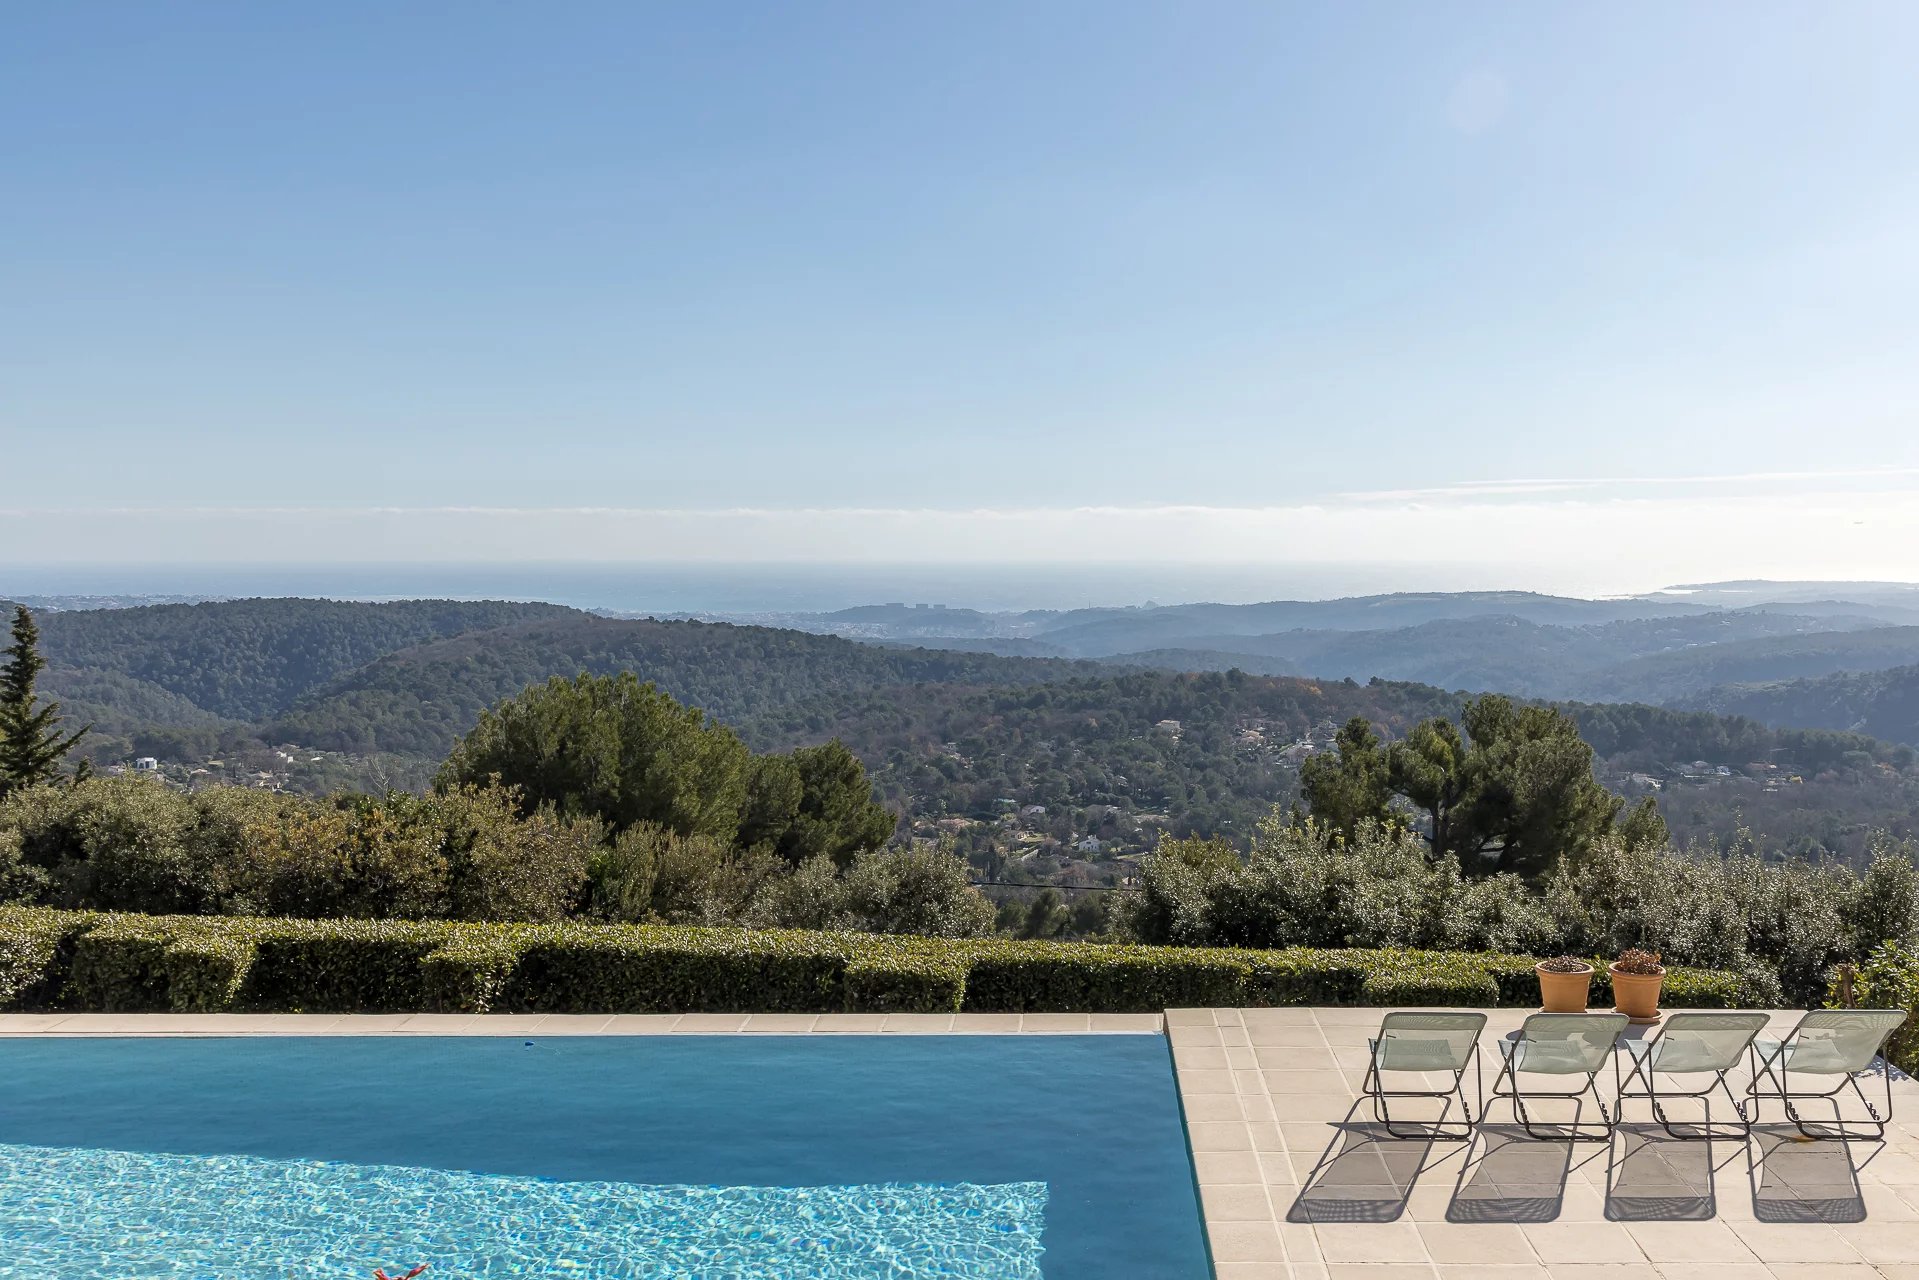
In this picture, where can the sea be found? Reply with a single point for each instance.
(702, 588)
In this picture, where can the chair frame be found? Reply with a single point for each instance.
(1374, 1087)
(1572, 1131)
(1644, 1068)
(1774, 1068)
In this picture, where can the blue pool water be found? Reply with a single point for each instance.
(774, 1158)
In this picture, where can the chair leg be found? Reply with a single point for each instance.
(1572, 1131)
(1438, 1132)
(1839, 1130)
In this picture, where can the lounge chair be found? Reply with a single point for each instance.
(1828, 1043)
(1427, 1042)
(1693, 1043)
(1561, 1044)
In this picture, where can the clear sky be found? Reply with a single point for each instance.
(803, 280)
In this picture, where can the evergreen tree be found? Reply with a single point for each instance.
(31, 742)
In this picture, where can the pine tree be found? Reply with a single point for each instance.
(31, 743)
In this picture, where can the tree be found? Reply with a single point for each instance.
(31, 742)
(612, 748)
(1351, 788)
(837, 814)
(1513, 793)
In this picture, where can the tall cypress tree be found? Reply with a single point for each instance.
(31, 743)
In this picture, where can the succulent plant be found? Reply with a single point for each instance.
(1633, 960)
(1565, 964)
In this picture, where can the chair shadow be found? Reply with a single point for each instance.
(1799, 1179)
(1364, 1175)
(1652, 1176)
(1509, 1176)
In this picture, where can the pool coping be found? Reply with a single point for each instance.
(575, 1024)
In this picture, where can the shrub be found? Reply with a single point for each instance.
(649, 969)
(196, 963)
(36, 950)
(905, 982)
(1889, 979)
(470, 970)
(1033, 977)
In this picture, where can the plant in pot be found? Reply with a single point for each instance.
(1636, 978)
(1563, 984)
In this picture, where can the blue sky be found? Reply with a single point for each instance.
(1207, 280)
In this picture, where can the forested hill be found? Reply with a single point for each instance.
(312, 695)
(241, 659)
(771, 684)
(1884, 704)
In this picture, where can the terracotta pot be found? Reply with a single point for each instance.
(1564, 992)
(1636, 995)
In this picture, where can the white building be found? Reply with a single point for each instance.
(146, 764)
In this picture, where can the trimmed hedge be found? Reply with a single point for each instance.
(112, 962)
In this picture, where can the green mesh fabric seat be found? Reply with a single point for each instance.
(1567, 1045)
(1693, 1043)
(1828, 1046)
(1426, 1043)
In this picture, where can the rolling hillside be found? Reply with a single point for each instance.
(1884, 704)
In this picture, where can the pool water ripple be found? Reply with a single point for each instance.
(90, 1214)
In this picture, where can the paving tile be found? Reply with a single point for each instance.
(1069, 1023)
(1229, 1167)
(1296, 1034)
(708, 1023)
(1190, 1057)
(1476, 1243)
(1582, 1242)
(1186, 1036)
(1246, 1242)
(1796, 1242)
(28, 1024)
(1254, 1271)
(1883, 1242)
(1381, 1271)
(1190, 1018)
(1294, 1057)
(1195, 1081)
(1143, 1023)
(1292, 1016)
(1371, 1242)
(589, 1024)
(1665, 1242)
(779, 1023)
(1306, 1081)
(1218, 1135)
(437, 1024)
(1213, 1106)
(505, 1024)
(917, 1023)
(1236, 1202)
(640, 1024)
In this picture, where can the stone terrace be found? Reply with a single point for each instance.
(1299, 1183)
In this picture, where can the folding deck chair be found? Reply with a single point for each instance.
(1693, 1043)
(1561, 1044)
(1427, 1042)
(1827, 1043)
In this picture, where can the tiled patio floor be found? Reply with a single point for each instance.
(1298, 1183)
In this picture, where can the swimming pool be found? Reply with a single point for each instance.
(774, 1157)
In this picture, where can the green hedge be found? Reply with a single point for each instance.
(110, 962)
